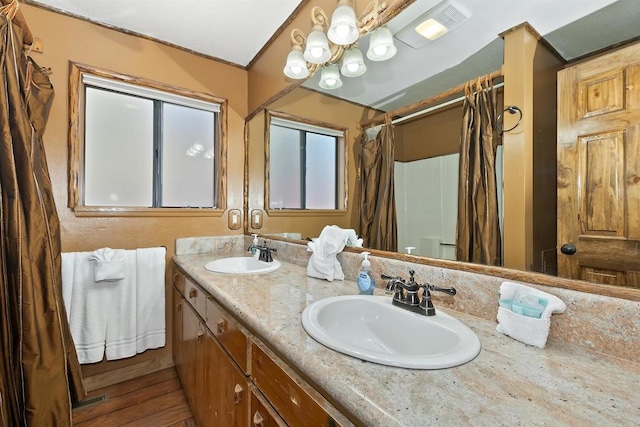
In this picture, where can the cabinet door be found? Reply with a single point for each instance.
(189, 347)
(176, 338)
(227, 389)
(262, 414)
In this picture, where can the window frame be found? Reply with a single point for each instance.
(342, 182)
(75, 202)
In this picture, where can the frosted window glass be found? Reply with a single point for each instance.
(284, 168)
(321, 171)
(187, 157)
(118, 152)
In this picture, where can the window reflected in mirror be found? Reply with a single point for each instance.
(306, 164)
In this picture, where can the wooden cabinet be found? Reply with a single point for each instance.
(227, 393)
(176, 337)
(262, 413)
(220, 364)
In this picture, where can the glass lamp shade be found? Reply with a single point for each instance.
(344, 28)
(330, 77)
(381, 46)
(353, 63)
(317, 51)
(296, 66)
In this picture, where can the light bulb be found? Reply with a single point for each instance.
(316, 52)
(353, 67)
(342, 30)
(296, 69)
(380, 50)
(330, 82)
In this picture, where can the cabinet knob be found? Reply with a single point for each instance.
(178, 307)
(193, 292)
(175, 279)
(257, 419)
(238, 390)
(221, 326)
(200, 335)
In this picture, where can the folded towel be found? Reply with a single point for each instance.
(120, 334)
(109, 264)
(150, 313)
(87, 306)
(115, 318)
(324, 263)
(529, 330)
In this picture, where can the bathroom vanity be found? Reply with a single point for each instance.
(245, 359)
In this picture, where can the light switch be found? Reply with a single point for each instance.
(234, 219)
(256, 219)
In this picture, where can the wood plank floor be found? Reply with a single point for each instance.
(152, 400)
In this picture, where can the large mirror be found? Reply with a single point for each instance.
(426, 157)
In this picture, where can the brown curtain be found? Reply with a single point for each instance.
(38, 356)
(378, 224)
(478, 231)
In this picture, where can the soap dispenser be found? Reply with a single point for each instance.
(365, 278)
(254, 247)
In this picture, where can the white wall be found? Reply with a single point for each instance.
(427, 204)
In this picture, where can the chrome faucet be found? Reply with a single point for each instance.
(405, 294)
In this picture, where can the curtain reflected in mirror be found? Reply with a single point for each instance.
(378, 222)
(478, 233)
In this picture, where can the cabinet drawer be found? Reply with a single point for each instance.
(296, 401)
(194, 295)
(229, 333)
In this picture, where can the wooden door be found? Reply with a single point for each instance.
(226, 389)
(189, 358)
(176, 338)
(262, 413)
(599, 169)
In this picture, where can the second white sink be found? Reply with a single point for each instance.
(242, 265)
(371, 328)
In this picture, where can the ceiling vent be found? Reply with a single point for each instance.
(434, 23)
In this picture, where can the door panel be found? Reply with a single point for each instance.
(599, 168)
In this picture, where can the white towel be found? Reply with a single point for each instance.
(120, 334)
(323, 263)
(150, 310)
(117, 318)
(87, 304)
(109, 264)
(528, 330)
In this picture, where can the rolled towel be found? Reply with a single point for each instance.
(109, 264)
(519, 325)
(324, 263)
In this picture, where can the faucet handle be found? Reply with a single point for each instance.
(450, 291)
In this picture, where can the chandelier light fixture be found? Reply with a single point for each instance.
(340, 43)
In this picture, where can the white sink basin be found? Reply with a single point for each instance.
(371, 328)
(242, 265)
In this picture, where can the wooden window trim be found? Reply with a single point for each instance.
(343, 194)
(76, 147)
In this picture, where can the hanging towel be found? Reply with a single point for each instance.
(87, 304)
(323, 263)
(529, 330)
(150, 309)
(109, 264)
(120, 334)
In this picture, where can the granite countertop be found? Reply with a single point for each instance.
(508, 383)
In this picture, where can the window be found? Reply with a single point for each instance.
(306, 168)
(144, 147)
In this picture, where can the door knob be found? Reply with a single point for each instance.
(568, 249)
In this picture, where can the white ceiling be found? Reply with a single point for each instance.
(232, 30)
(236, 30)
